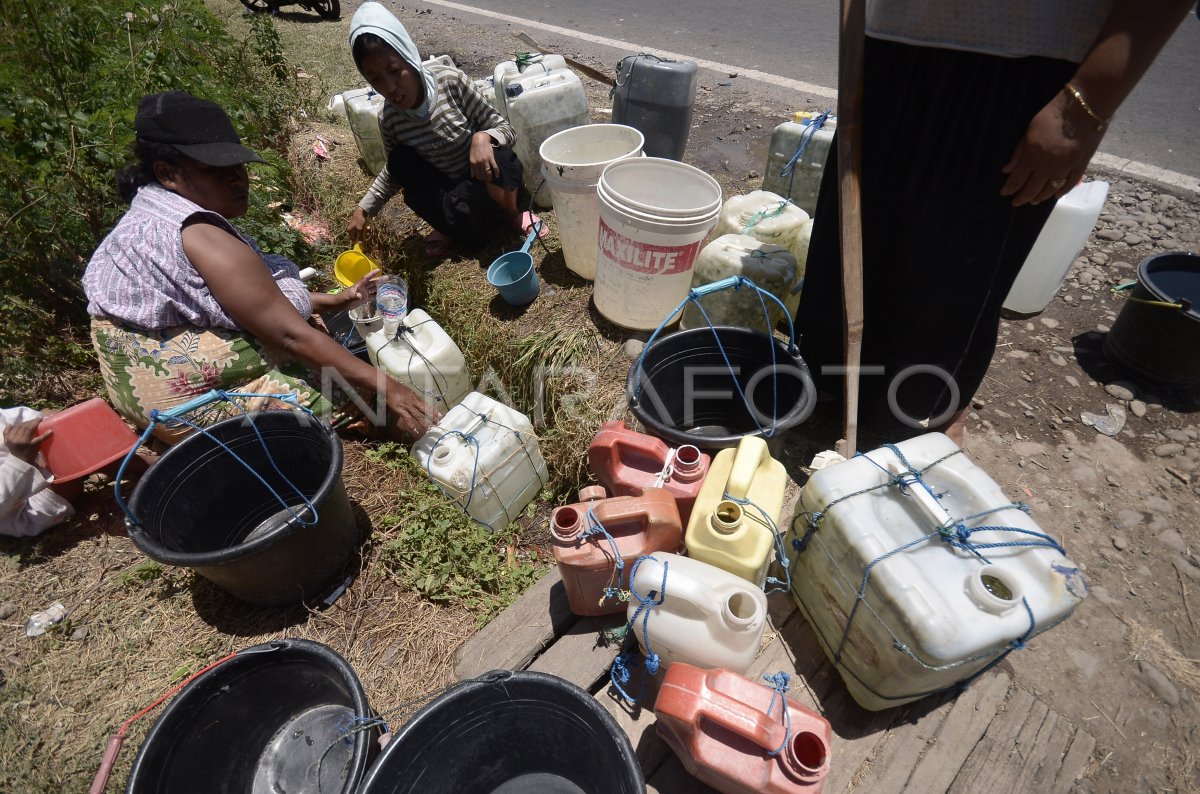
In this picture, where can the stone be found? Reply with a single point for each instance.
(1111, 235)
(1057, 359)
(633, 348)
(1120, 543)
(1159, 684)
(1178, 435)
(1137, 408)
(1173, 541)
(7, 610)
(1102, 328)
(1127, 519)
(1027, 449)
(80, 634)
(1122, 391)
(1049, 322)
(1133, 238)
(1167, 450)
(1072, 381)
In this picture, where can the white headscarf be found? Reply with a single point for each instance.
(374, 18)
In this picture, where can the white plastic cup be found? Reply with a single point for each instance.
(391, 298)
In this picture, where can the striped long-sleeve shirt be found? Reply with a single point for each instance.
(459, 111)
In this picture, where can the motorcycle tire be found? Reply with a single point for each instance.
(327, 9)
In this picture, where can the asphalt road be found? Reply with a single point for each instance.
(797, 39)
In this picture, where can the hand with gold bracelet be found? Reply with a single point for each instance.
(1059, 143)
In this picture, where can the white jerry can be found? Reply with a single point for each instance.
(920, 572)
(485, 456)
(424, 357)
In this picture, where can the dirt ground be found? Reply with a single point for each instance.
(1125, 506)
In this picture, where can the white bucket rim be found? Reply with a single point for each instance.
(661, 164)
(591, 129)
(617, 205)
(611, 216)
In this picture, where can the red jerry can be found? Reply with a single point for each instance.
(637, 525)
(626, 462)
(725, 729)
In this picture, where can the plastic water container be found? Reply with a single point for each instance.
(423, 356)
(639, 525)
(509, 71)
(362, 107)
(804, 182)
(1062, 238)
(485, 456)
(951, 610)
(572, 161)
(737, 513)
(656, 96)
(540, 105)
(708, 617)
(799, 250)
(771, 267)
(770, 218)
(725, 727)
(654, 215)
(764, 216)
(627, 462)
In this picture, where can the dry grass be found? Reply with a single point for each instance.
(145, 627)
(1150, 645)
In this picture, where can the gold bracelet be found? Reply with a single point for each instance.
(1101, 123)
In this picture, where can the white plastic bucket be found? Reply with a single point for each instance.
(646, 251)
(662, 187)
(572, 161)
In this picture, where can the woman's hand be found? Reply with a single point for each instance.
(357, 227)
(407, 415)
(483, 159)
(1053, 154)
(22, 439)
(362, 291)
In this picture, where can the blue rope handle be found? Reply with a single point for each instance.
(805, 138)
(771, 585)
(694, 295)
(594, 527)
(619, 671)
(174, 417)
(780, 683)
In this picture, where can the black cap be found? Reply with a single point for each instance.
(195, 127)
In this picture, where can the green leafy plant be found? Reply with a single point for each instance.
(436, 549)
(71, 81)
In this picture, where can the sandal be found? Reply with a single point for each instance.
(437, 245)
(525, 222)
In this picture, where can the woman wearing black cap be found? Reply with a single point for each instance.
(182, 302)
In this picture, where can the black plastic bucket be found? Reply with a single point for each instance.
(509, 733)
(200, 508)
(261, 722)
(1157, 334)
(685, 393)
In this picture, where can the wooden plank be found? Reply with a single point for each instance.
(578, 656)
(896, 755)
(1074, 763)
(961, 729)
(991, 761)
(856, 731)
(520, 632)
(1049, 748)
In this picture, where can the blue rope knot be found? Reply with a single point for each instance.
(594, 527)
(780, 684)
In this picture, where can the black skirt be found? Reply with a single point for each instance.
(941, 246)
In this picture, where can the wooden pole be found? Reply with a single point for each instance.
(849, 135)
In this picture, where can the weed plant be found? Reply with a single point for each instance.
(71, 82)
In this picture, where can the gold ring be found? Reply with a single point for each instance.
(1056, 183)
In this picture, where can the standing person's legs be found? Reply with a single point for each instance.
(941, 247)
